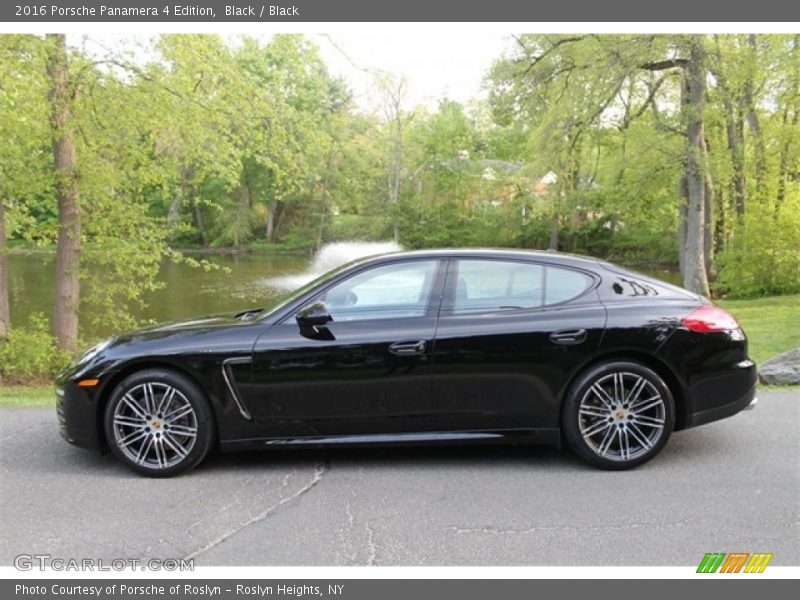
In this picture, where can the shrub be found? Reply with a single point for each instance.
(29, 354)
(765, 258)
(345, 227)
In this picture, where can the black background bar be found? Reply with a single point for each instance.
(730, 587)
(707, 11)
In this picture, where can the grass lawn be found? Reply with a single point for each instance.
(772, 325)
(27, 396)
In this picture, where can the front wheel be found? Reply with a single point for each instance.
(158, 423)
(618, 415)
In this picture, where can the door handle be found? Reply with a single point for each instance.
(408, 348)
(568, 337)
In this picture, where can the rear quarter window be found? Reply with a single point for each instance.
(562, 285)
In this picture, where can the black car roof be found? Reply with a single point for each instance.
(548, 256)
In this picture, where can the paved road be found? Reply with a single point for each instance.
(729, 486)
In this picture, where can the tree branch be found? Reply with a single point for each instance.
(537, 59)
(661, 65)
(652, 91)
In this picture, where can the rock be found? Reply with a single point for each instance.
(781, 369)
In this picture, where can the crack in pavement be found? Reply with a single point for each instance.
(318, 473)
(344, 542)
(373, 550)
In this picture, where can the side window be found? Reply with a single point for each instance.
(389, 291)
(564, 284)
(486, 285)
(492, 285)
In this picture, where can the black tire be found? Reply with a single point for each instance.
(155, 431)
(613, 429)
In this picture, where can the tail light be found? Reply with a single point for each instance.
(708, 318)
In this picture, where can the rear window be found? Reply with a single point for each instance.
(495, 285)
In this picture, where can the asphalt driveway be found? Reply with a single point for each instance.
(729, 486)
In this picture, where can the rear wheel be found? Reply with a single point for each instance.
(158, 423)
(618, 415)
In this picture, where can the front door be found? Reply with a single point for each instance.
(367, 371)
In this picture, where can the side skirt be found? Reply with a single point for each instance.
(551, 436)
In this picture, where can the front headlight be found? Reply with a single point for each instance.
(94, 351)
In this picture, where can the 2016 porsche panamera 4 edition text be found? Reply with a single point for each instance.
(436, 346)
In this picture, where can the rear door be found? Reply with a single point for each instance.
(509, 335)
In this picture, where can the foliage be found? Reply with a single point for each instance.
(29, 354)
(765, 259)
(26, 180)
(225, 141)
(368, 228)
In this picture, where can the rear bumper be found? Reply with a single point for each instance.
(77, 416)
(723, 395)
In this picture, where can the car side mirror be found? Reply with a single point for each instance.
(313, 315)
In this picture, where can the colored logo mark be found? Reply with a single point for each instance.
(734, 562)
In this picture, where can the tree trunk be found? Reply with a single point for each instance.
(394, 113)
(280, 211)
(553, 245)
(198, 222)
(68, 248)
(695, 277)
(708, 227)
(739, 182)
(720, 221)
(243, 206)
(397, 166)
(708, 215)
(324, 194)
(753, 122)
(5, 323)
(682, 214)
(174, 213)
(734, 131)
(270, 222)
(783, 169)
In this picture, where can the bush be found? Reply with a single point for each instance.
(343, 228)
(765, 258)
(29, 354)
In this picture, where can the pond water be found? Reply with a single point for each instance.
(254, 280)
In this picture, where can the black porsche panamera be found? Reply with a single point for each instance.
(437, 346)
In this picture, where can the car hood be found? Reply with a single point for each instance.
(231, 331)
(194, 325)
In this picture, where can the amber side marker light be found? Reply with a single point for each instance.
(86, 383)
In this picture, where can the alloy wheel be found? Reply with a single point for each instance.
(622, 416)
(154, 425)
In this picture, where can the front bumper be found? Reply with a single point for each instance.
(77, 412)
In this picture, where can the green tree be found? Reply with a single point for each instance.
(25, 154)
(68, 251)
